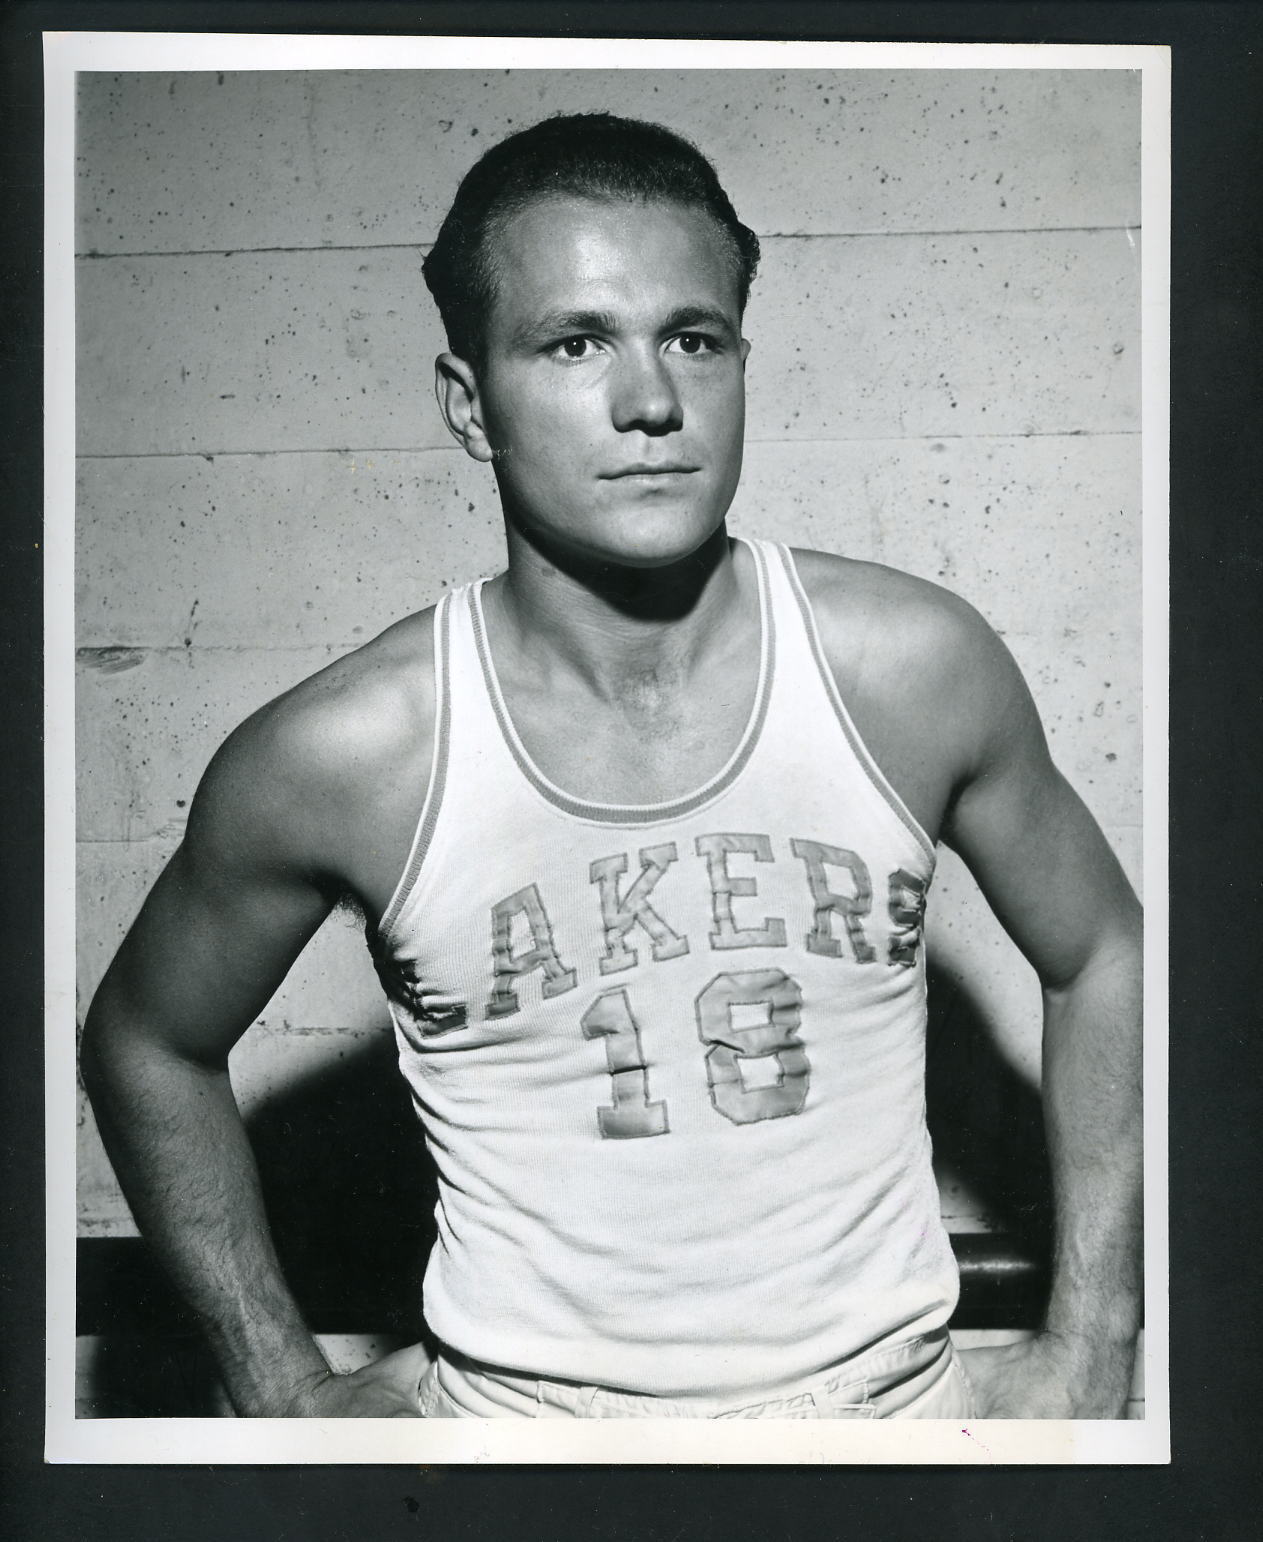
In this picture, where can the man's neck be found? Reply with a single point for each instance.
(619, 632)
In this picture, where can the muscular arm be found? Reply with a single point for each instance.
(1046, 869)
(945, 711)
(248, 887)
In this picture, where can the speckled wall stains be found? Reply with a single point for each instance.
(934, 334)
(368, 160)
(945, 377)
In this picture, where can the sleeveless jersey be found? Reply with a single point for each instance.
(670, 1058)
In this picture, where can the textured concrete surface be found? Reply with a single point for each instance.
(368, 159)
(149, 720)
(226, 541)
(256, 351)
(986, 517)
(945, 377)
(972, 334)
(854, 337)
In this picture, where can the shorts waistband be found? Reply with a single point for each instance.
(876, 1383)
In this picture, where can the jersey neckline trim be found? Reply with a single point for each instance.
(870, 766)
(638, 813)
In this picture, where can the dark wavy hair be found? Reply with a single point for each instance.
(579, 155)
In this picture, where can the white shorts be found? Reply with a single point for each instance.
(921, 1378)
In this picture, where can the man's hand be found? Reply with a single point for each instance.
(1049, 1377)
(386, 1389)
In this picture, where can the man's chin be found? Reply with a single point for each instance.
(661, 534)
(648, 552)
(641, 541)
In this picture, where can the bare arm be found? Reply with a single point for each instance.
(215, 938)
(944, 709)
(1045, 867)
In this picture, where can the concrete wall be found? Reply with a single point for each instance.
(945, 377)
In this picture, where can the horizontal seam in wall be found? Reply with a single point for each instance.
(983, 230)
(88, 652)
(93, 255)
(370, 449)
(403, 449)
(125, 842)
(1050, 433)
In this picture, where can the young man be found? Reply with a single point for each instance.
(642, 830)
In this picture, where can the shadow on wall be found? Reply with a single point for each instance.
(985, 1118)
(350, 1192)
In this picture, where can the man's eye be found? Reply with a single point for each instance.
(694, 342)
(575, 347)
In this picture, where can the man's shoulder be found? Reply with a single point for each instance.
(302, 767)
(925, 676)
(892, 611)
(366, 705)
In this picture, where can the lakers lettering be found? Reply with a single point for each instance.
(838, 891)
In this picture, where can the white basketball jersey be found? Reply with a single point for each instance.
(670, 1058)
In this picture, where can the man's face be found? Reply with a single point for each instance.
(613, 392)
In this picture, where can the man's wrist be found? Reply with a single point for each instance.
(302, 1398)
(1095, 1366)
(276, 1385)
(290, 1398)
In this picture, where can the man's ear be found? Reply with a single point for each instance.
(456, 389)
(745, 351)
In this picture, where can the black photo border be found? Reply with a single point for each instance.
(1212, 1487)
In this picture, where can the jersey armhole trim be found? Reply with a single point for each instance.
(438, 770)
(871, 768)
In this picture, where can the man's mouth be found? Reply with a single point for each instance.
(648, 469)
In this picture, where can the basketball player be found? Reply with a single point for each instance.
(643, 830)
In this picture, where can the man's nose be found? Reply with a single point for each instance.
(645, 395)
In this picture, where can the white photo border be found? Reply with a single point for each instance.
(377, 1442)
